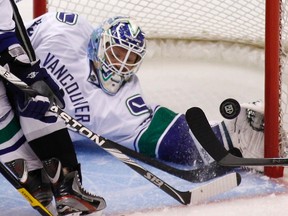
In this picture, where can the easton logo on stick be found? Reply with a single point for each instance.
(77, 126)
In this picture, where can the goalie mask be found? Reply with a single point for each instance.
(116, 49)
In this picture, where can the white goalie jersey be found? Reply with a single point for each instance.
(60, 41)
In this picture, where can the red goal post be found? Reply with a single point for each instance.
(261, 24)
(39, 7)
(274, 118)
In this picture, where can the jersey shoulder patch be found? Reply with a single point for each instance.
(136, 105)
(68, 18)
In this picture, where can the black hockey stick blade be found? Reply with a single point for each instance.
(201, 129)
(16, 184)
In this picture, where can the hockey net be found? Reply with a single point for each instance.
(260, 25)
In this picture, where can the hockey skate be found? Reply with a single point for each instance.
(36, 182)
(71, 198)
(245, 133)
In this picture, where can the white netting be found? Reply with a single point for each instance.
(284, 79)
(236, 22)
(231, 20)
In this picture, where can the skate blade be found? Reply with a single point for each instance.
(52, 208)
(97, 213)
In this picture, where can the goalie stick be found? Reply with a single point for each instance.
(198, 194)
(12, 179)
(200, 174)
(201, 129)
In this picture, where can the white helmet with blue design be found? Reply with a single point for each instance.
(117, 49)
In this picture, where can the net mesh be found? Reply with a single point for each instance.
(283, 91)
(241, 21)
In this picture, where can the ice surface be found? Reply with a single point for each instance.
(128, 193)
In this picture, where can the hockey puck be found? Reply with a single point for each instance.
(230, 108)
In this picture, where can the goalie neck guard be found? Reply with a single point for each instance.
(116, 48)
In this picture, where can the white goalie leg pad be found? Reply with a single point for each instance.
(246, 132)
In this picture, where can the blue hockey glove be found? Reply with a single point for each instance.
(16, 61)
(35, 107)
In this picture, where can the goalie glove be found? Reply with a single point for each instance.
(15, 60)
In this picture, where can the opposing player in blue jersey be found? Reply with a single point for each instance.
(97, 69)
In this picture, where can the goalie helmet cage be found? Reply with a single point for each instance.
(262, 24)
